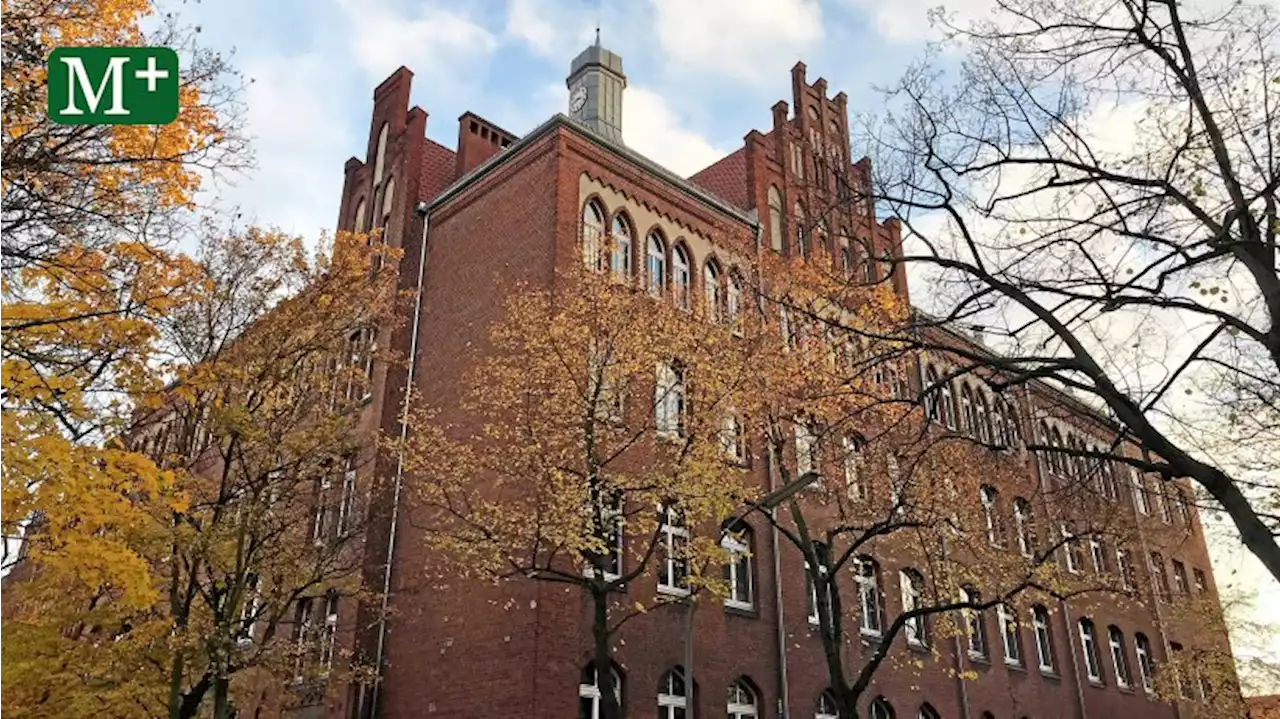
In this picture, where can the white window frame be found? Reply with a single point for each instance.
(853, 486)
(1139, 488)
(682, 277)
(673, 577)
(739, 575)
(1098, 554)
(989, 496)
(867, 577)
(711, 291)
(1124, 567)
(621, 248)
(668, 700)
(1068, 549)
(655, 265)
(670, 401)
(733, 305)
(1044, 639)
(742, 702)
(1009, 636)
(914, 628)
(1022, 522)
(329, 638)
(976, 638)
(592, 691)
(825, 707)
(347, 501)
(811, 592)
(1119, 660)
(1089, 650)
(1146, 669)
(806, 448)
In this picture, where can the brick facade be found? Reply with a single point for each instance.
(503, 211)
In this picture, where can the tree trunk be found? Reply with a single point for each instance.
(609, 708)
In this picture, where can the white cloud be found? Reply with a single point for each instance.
(441, 44)
(529, 22)
(299, 178)
(745, 40)
(909, 20)
(650, 127)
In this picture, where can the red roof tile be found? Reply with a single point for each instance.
(727, 179)
(438, 165)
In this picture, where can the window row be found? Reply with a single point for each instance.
(855, 256)
(988, 417)
(610, 245)
(742, 699)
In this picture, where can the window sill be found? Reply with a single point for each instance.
(920, 647)
(870, 634)
(672, 591)
(978, 658)
(741, 609)
(1096, 683)
(1050, 674)
(1124, 689)
(1016, 666)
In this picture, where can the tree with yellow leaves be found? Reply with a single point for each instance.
(243, 560)
(597, 431)
(90, 214)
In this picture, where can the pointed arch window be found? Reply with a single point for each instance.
(711, 288)
(912, 590)
(742, 701)
(655, 264)
(682, 277)
(775, 219)
(589, 697)
(967, 408)
(975, 629)
(593, 236)
(1089, 649)
(733, 303)
(869, 597)
(388, 200)
(673, 697)
(1044, 638)
(880, 709)
(380, 155)
(825, 707)
(990, 511)
(358, 222)
(620, 251)
(1022, 525)
(802, 239)
(1119, 657)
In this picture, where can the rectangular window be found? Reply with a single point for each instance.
(1009, 635)
(733, 438)
(346, 503)
(1099, 555)
(738, 573)
(1139, 492)
(1071, 550)
(976, 634)
(1044, 641)
(1124, 565)
(320, 517)
(1159, 577)
(1180, 578)
(1201, 586)
(329, 637)
(868, 578)
(811, 594)
(669, 401)
(1118, 657)
(853, 486)
(1089, 647)
(1146, 667)
(675, 543)
(249, 614)
(806, 448)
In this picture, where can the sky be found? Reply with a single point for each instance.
(701, 74)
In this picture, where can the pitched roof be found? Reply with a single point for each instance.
(436, 170)
(726, 178)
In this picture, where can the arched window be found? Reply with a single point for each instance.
(1139, 492)
(880, 709)
(802, 240)
(825, 708)
(1119, 657)
(975, 627)
(655, 264)
(932, 407)
(681, 277)
(912, 588)
(669, 400)
(589, 692)
(967, 408)
(928, 712)
(620, 252)
(1057, 460)
(358, 222)
(1089, 649)
(982, 417)
(866, 262)
(948, 405)
(733, 304)
(738, 569)
(1146, 665)
(1022, 525)
(991, 513)
(869, 598)
(380, 155)
(1044, 638)
(1013, 434)
(673, 699)
(711, 288)
(593, 236)
(742, 701)
(388, 197)
(998, 431)
(846, 252)
(775, 219)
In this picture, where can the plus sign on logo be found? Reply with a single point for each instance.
(113, 85)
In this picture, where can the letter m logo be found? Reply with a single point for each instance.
(113, 86)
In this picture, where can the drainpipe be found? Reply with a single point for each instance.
(1073, 635)
(784, 701)
(421, 210)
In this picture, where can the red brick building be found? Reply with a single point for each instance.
(500, 209)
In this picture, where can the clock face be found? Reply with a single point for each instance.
(578, 99)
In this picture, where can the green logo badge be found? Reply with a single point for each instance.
(113, 85)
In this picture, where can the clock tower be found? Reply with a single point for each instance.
(595, 85)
